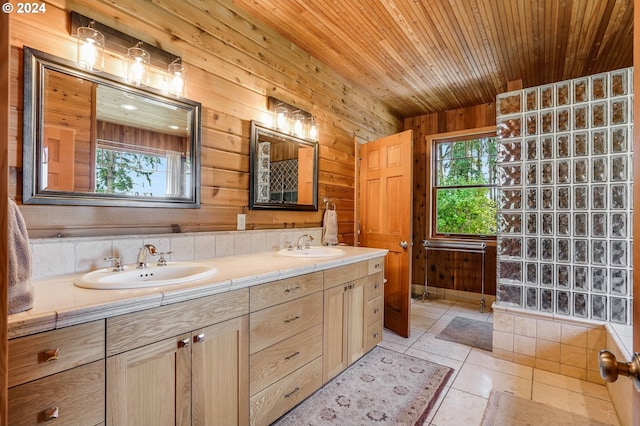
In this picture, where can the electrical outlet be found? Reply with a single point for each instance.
(242, 222)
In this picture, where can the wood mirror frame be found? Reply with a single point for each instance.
(284, 171)
(78, 134)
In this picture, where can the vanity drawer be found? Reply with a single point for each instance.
(39, 355)
(267, 295)
(375, 286)
(374, 310)
(275, 362)
(376, 265)
(77, 395)
(272, 325)
(343, 274)
(137, 329)
(374, 335)
(283, 395)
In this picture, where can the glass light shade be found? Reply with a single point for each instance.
(90, 49)
(137, 67)
(312, 129)
(282, 119)
(177, 79)
(298, 124)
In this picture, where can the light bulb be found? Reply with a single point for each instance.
(138, 61)
(177, 78)
(90, 49)
(298, 124)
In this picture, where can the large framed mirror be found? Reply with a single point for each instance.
(91, 139)
(284, 171)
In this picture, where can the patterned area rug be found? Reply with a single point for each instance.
(507, 409)
(383, 388)
(470, 332)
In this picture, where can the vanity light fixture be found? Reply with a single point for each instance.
(290, 119)
(137, 65)
(90, 48)
(146, 66)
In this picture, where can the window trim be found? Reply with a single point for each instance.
(432, 141)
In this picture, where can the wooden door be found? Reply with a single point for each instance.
(151, 385)
(305, 174)
(59, 148)
(386, 219)
(220, 374)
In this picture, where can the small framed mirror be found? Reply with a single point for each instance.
(90, 139)
(284, 171)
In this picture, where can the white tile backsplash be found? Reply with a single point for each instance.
(65, 256)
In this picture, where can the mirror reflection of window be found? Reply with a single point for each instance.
(91, 140)
(130, 170)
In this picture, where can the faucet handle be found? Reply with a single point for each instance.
(289, 245)
(117, 263)
(162, 261)
(306, 244)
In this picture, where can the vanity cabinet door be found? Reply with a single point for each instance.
(344, 328)
(151, 385)
(220, 377)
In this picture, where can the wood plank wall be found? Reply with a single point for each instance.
(428, 125)
(4, 174)
(234, 63)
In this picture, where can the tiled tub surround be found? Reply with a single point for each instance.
(55, 257)
(565, 346)
(565, 211)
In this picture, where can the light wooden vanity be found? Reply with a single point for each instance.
(244, 356)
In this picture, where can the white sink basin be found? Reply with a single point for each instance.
(152, 276)
(312, 252)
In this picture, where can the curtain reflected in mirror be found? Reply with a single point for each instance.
(284, 170)
(101, 142)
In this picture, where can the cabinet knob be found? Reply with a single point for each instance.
(288, 290)
(51, 355)
(288, 320)
(184, 343)
(293, 392)
(199, 338)
(376, 310)
(375, 335)
(51, 414)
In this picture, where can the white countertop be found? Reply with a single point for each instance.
(59, 303)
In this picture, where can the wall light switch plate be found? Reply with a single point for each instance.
(242, 222)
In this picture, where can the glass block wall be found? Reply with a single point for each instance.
(564, 197)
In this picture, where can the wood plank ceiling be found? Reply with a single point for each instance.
(424, 56)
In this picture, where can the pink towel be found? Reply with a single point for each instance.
(20, 291)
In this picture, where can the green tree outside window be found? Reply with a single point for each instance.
(465, 193)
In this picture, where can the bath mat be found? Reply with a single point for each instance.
(507, 409)
(470, 332)
(384, 387)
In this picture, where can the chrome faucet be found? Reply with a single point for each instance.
(308, 238)
(142, 255)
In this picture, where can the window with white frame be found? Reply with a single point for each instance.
(464, 185)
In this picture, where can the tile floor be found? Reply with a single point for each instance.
(476, 372)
